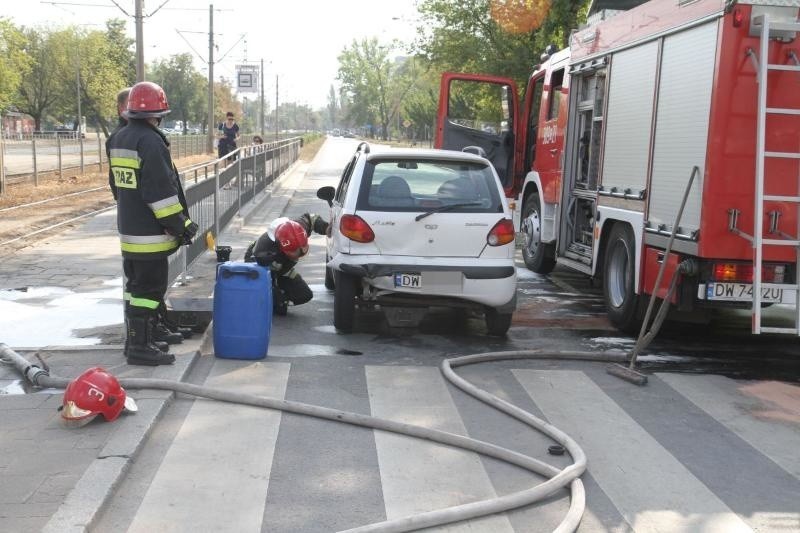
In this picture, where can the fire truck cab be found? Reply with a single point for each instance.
(599, 153)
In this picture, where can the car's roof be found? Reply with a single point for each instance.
(424, 154)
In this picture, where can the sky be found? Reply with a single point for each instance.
(298, 40)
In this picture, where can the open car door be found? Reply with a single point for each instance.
(478, 110)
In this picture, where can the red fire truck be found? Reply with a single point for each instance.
(598, 154)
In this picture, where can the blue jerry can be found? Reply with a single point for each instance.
(242, 310)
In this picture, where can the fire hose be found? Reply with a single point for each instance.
(557, 479)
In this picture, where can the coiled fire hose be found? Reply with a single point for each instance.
(558, 479)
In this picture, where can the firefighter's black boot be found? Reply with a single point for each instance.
(162, 334)
(139, 349)
(280, 304)
(163, 346)
(186, 333)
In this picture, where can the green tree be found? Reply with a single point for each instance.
(41, 86)
(185, 88)
(370, 80)
(501, 37)
(14, 62)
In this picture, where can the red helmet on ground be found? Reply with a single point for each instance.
(292, 239)
(92, 393)
(146, 100)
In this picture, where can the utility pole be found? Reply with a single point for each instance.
(276, 107)
(261, 114)
(210, 140)
(139, 18)
(78, 88)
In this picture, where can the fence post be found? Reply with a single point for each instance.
(2, 166)
(60, 168)
(99, 152)
(239, 183)
(80, 141)
(216, 200)
(35, 166)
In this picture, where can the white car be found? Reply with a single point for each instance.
(413, 228)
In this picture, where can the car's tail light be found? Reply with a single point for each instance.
(743, 273)
(356, 229)
(502, 233)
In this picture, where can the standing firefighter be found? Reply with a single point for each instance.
(152, 217)
(280, 248)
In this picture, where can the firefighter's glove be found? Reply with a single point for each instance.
(189, 232)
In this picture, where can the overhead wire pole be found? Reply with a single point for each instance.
(276, 107)
(261, 114)
(139, 18)
(210, 136)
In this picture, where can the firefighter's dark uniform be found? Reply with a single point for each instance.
(289, 284)
(152, 214)
(121, 123)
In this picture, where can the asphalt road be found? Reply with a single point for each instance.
(710, 444)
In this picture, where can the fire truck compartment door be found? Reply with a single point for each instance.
(681, 132)
(477, 110)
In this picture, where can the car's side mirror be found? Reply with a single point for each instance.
(326, 193)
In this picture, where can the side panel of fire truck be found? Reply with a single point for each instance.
(651, 95)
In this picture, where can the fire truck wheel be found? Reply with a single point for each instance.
(538, 257)
(622, 302)
(344, 301)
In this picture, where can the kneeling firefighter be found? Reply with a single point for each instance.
(279, 249)
(153, 222)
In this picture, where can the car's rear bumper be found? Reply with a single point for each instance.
(493, 282)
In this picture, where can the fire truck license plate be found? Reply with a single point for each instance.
(407, 280)
(741, 292)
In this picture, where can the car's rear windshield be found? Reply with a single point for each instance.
(420, 185)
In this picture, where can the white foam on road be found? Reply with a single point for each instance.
(49, 316)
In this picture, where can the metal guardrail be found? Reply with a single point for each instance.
(216, 192)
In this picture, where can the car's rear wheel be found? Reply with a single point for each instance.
(344, 301)
(329, 283)
(497, 323)
(538, 256)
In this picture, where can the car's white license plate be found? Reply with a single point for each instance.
(408, 280)
(740, 292)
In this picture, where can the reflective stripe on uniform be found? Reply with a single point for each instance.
(166, 207)
(126, 296)
(144, 302)
(120, 157)
(148, 243)
(187, 222)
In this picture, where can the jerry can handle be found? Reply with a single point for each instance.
(239, 271)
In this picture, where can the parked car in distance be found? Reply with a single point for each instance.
(413, 229)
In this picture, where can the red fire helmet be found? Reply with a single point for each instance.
(292, 239)
(146, 99)
(92, 393)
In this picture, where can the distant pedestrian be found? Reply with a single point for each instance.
(152, 218)
(122, 104)
(228, 134)
(257, 139)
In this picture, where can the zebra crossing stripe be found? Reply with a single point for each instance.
(765, 415)
(417, 476)
(235, 470)
(652, 490)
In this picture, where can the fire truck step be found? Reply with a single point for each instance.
(784, 67)
(783, 111)
(789, 155)
(776, 198)
(781, 242)
(779, 330)
(781, 25)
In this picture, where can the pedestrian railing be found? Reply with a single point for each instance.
(217, 190)
(28, 155)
